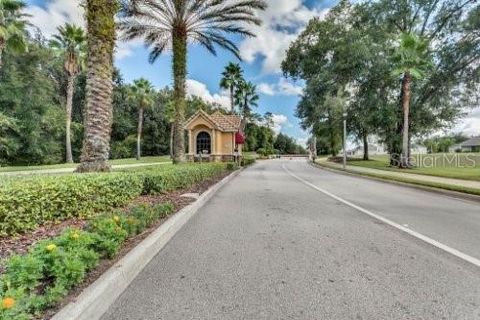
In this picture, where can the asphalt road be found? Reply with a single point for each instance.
(269, 246)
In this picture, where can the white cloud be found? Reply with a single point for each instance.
(283, 87)
(199, 89)
(471, 124)
(58, 12)
(279, 121)
(289, 89)
(283, 21)
(267, 89)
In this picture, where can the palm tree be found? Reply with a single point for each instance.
(165, 24)
(12, 26)
(246, 97)
(141, 93)
(98, 115)
(232, 77)
(411, 59)
(70, 42)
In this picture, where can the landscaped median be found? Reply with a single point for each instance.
(427, 181)
(40, 278)
(28, 203)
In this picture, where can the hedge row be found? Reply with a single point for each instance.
(41, 278)
(26, 204)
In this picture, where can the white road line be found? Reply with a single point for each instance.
(415, 234)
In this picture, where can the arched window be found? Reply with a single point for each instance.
(204, 143)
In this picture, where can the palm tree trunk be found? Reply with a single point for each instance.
(179, 75)
(68, 139)
(232, 101)
(139, 133)
(99, 115)
(406, 94)
(172, 135)
(366, 155)
(2, 47)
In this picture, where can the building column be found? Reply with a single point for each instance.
(214, 144)
(233, 143)
(191, 147)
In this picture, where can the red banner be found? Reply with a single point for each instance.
(239, 138)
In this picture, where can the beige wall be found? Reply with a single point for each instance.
(225, 143)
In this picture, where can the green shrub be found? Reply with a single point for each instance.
(42, 277)
(232, 166)
(178, 177)
(247, 162)
(27, 203)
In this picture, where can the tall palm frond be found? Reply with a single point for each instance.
(71, 44)
(231, 78)
(71, 41)
(206, 22)
(246, 98)
(12, 26)
(411, 60)
(141, 93)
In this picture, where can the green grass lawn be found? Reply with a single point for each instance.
(64, 165)
(460, 166)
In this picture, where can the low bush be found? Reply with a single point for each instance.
(27, 203)
(232, 166)
(42, 277)
(178, 177)
(247, 162)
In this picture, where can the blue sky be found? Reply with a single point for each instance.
(262, 56)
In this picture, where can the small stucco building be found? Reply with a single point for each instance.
(214, 137)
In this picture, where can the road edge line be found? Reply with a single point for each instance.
(415, 234)
(97, 298)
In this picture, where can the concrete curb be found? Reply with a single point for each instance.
(95, 300)
(450, 193)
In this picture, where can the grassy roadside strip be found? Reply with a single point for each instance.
(144, 160)
(386, 177)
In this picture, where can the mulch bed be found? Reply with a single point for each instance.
(21, 244)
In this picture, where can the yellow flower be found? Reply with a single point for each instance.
(51, 247)
(8, 303)
(116, 218)
(75, 236)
